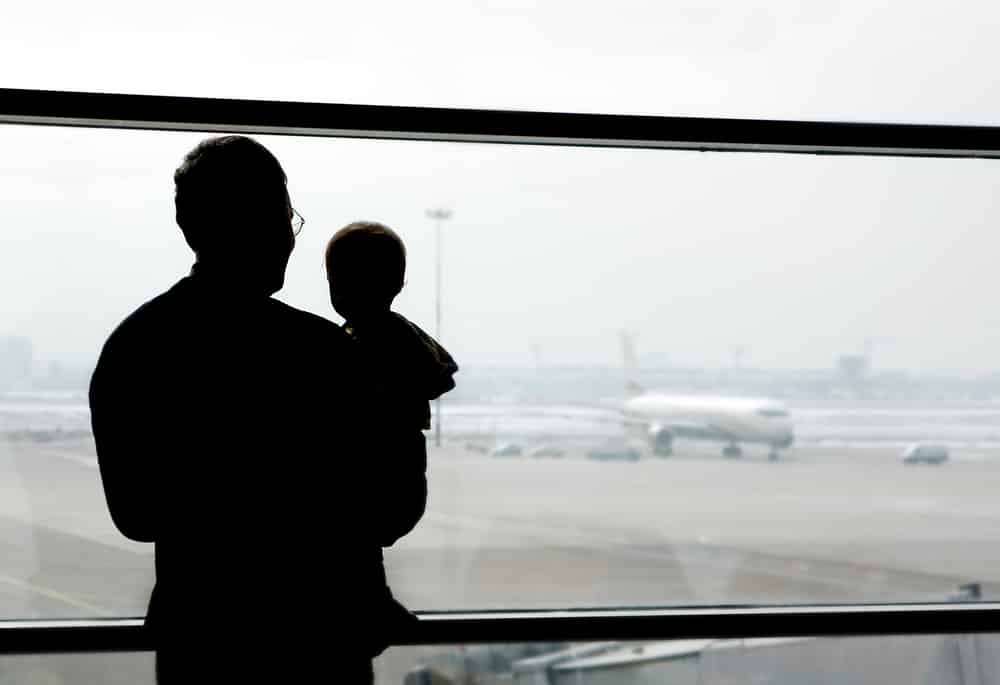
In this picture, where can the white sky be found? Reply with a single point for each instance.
(899, 60)
(796, 259)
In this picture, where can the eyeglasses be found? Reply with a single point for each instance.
(297, 222)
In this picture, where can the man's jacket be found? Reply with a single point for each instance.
(234, 433)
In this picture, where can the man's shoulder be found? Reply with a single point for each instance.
(149, 317)
(300, 322)
(316, 346)
(320, 358)
(143, 335)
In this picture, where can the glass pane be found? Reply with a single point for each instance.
(579, 466)
(889, 61)
(927, 659)
(930, 659)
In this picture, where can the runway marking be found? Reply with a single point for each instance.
(55, 594)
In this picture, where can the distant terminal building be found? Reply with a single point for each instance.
(853, 367)
(16, 360)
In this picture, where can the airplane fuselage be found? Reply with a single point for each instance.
(724, 419)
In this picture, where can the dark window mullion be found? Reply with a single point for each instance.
(127, 635)
(493, 126)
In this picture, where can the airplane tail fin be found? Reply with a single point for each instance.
(634, 388)
(630, 365)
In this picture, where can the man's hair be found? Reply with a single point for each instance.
(222, 181)
(370, 250)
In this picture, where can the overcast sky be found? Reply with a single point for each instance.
(795, 259)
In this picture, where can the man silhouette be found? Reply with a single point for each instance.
(233, 433)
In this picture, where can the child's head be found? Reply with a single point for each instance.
(365, 266)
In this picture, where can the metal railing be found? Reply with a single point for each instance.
(128, 635)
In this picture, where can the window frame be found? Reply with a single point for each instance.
(163, 113)
(125, 111)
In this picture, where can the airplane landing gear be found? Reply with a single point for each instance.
(772, 455)
(732, 451)
(663, 444)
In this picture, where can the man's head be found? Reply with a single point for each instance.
(233, 208)
(365, 266)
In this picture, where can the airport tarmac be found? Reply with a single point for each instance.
(821, 525)
(825, 524)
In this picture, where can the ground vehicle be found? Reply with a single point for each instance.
(926, 453)
(506, 449)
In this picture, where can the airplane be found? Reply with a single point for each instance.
(659, 418)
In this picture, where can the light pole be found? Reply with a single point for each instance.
(438, 216)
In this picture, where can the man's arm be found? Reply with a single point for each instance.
(381, 466)
(403, 487)
(388, 452)
(385, 463)
(126, 446)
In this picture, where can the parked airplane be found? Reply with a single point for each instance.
(660, 418)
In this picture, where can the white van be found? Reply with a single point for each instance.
(926, 453)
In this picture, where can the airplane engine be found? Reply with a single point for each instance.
(661, 440)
